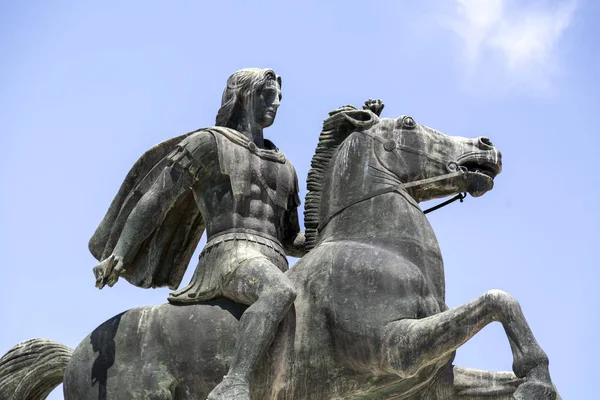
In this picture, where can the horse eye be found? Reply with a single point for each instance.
(409, 123)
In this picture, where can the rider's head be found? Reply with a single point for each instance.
(250, 92)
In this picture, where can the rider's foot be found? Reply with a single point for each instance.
(231, 388)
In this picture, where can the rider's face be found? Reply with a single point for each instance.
(266, 103)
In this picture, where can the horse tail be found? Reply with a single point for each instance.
(32, 369)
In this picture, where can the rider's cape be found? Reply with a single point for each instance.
(164, 255)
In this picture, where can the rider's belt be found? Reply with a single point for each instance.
(247, 235)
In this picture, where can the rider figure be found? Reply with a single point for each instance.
(246, 193)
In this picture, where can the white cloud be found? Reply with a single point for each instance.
(512, 38)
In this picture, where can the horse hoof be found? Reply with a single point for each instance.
(230, 388)
(535, 391)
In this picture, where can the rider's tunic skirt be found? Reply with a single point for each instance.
(221, 256)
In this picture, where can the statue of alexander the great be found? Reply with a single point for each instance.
(241, 188)
(370, 318)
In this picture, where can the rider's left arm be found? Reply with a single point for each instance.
(293, 241)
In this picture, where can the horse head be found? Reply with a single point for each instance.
(413, 152)
(361, 156)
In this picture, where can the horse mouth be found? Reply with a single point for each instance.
(481, 170)
(488, 169)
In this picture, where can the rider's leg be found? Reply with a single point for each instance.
(260, 284)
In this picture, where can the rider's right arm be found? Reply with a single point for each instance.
(187, 165)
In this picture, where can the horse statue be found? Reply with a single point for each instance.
(370, 319)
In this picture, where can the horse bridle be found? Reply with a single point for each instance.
(389, 145)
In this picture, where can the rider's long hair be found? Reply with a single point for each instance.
(238, 94)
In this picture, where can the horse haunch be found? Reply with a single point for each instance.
(159, 352)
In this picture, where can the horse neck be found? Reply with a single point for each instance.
(390, 219)
(386, 220)
(354, 202)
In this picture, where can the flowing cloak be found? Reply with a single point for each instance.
(165, 254)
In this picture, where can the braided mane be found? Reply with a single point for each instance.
(332, 136)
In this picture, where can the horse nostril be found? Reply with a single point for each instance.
(486, 142)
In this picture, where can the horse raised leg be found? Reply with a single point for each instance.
(411, 344)
(459, 383)
(474, 384)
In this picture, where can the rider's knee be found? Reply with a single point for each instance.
(286, 293)
(281, 294)
(277, 299)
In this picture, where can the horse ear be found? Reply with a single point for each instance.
(363, 119)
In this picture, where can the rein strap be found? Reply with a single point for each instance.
(399, 188)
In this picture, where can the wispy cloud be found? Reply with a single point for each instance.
(514, 39)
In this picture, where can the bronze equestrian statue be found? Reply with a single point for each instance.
(368, 320)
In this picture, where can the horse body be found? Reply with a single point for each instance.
(181, 352)
(328, 347)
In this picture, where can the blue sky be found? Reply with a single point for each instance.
(86, 88)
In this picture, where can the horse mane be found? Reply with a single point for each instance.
(332, 136)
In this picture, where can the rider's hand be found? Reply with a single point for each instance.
(108, 271)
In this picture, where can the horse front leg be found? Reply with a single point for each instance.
(459, 383)
(412, 344)
(474, 384)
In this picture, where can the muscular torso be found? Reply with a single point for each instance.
(256, 195)
(223, 211)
